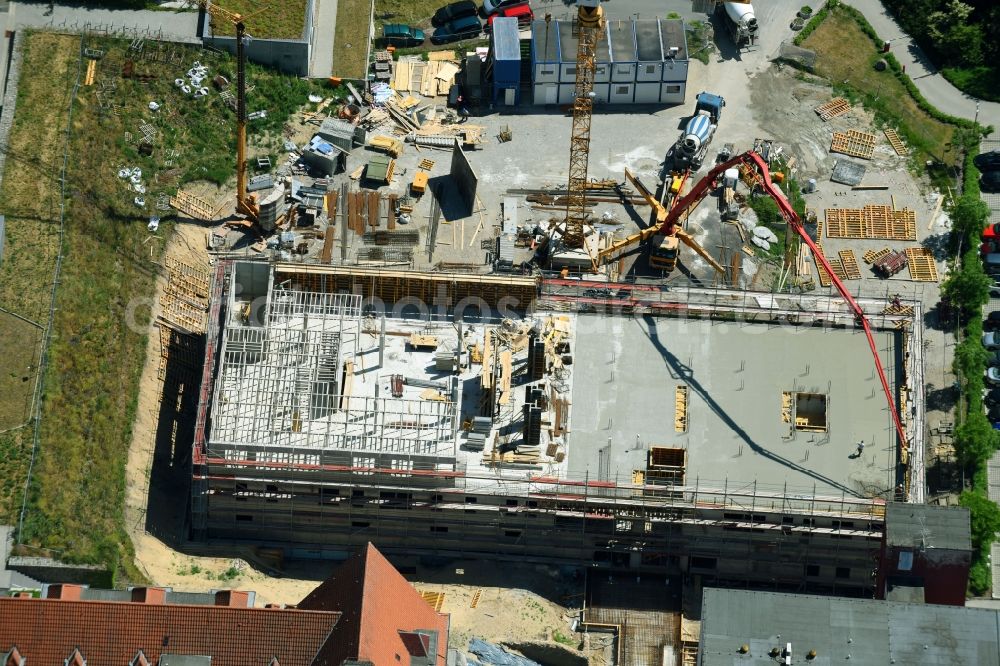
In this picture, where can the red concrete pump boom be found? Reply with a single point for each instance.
(754, 160)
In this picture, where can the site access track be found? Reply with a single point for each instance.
(762, 175)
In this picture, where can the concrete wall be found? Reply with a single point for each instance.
(786, 551)
(465, 178)
(288, 55)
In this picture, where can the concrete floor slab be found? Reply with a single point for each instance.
(623, 397)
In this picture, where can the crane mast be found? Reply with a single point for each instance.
(590, 20)
(245, 205)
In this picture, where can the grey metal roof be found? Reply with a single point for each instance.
(672, 34)
(647, 41)
(545, 37)
(855, 631)
(506, 46)
(926, 526)
(568, 44)
(622, 34)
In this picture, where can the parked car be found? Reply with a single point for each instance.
(991, 263)
(464, 28)
(991, 397)
(991, 340)
(990, 182)
(455, 10)
(993, 376)
(522, 12)
(991, 231)
(491, 7)
(405, 36)
(984, 161)
(992, 321)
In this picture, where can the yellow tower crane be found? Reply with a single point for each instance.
(245, 203)
(590, 20)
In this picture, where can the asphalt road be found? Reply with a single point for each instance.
(929, 82)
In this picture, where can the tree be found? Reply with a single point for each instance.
(984, 516)
(968, 215)
(975, 439)
(967, 287)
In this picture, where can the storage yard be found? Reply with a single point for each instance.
(563, 295)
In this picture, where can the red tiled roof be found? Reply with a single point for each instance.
(108, 633)
(377, 604)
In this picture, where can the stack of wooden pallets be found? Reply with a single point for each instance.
(854, 143)
(837, 106)
(922, 266)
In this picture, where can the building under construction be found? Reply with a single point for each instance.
(738, 436)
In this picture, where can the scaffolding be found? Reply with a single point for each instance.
(288, 384)
(295, 445)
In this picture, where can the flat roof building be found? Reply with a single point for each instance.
(751, 628)
(693, 431)
(641, 61)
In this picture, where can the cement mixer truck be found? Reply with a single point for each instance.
(689, 151)
(740, 21)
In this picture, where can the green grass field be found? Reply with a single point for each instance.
(76, 498)
(846, 56)
(264, 20)
(350, 40)
(30, 200)
(413, 12)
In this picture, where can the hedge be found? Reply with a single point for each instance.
(894, 65)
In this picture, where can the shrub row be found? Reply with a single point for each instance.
(967, 288)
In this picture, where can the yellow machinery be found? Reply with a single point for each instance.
(664, 239)
(590, 20)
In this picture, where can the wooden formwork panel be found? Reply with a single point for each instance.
(871, 256)
(922, 266)
(851, 269)
(681, 409)
(192, 206)
(844, 223)
(874, 221)
(854, 143)
(824, 276)
(837, 106)
(896, 143)
(885, 222)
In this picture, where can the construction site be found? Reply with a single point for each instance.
(645, 440)
(639, 324)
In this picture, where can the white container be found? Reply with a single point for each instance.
(731, 177)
